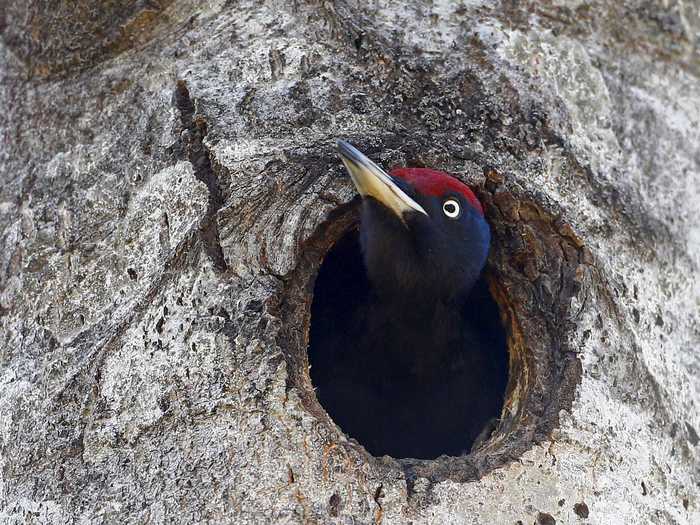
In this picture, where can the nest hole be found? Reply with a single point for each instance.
(535, 267)
(403, 406)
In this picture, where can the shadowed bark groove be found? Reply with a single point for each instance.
(191, 145)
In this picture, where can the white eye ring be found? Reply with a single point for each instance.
(451, 208)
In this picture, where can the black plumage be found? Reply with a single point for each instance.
(406, 348)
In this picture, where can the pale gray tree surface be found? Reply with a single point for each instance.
(170, 184)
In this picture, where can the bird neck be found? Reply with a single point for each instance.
(417, 334)
(422, 294)
(432, 314)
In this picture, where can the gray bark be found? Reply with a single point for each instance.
(169, 186)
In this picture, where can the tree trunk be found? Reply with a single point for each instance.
(170, 186)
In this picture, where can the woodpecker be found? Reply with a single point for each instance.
(412, 354)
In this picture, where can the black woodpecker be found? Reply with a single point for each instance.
(410, 358)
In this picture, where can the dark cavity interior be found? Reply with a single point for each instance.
(383, 401)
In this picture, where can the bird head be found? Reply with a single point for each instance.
(422, 231)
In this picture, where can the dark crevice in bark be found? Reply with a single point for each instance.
(192, 148)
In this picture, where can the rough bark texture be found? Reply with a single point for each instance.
(169, 186)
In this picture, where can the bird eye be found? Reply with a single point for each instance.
(451, 208)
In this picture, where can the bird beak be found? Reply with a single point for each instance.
(371, 181)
